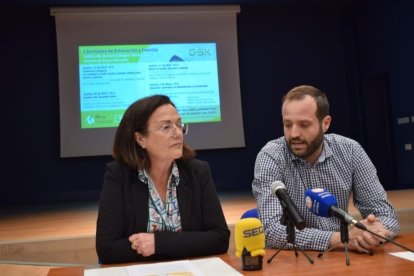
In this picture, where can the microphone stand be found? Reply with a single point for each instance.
(345, 240)
(290, 231)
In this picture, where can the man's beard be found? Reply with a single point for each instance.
(311, 147)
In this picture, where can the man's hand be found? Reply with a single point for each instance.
(363, 241)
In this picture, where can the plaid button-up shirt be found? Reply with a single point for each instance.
(343, 168)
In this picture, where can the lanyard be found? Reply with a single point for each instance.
(163, 215)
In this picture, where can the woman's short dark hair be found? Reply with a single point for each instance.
(135, 119)
(299, 92)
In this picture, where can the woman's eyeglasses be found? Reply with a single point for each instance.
(170, 128)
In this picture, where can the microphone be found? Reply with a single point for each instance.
(296, 218)
(322, 203)
(251, 213)
(250, 243)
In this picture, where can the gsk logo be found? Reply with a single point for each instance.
(199, 52)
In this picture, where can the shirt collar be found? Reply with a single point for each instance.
(173, 179)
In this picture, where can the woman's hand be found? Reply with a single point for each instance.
(143, 243)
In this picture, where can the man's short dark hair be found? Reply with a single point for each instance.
(299, 92)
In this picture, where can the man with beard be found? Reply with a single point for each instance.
(305, 158)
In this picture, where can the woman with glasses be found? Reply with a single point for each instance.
(158, 202)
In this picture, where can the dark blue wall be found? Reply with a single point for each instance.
(402, 87)
(332, 46)
(385, 39)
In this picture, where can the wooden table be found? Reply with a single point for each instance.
(331, 263)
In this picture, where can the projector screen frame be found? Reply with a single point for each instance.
(228, 133)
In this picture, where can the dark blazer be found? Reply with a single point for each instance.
(123, 211)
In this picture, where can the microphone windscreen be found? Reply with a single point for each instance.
(252, 213)
(276, 186)
(249, 235)
(319, 201)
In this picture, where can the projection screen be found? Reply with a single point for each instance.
(108, 57)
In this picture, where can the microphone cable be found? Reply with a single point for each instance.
(389, 240)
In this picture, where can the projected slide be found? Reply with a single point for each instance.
(111, 77)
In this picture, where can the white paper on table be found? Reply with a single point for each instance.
(176, 268)
(108, 271)
(212, 266)
(405, 255)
